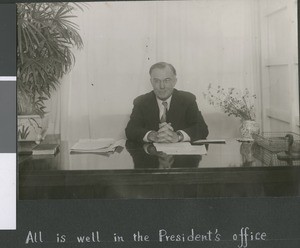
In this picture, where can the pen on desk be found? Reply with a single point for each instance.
(201, 142)
(245, 140)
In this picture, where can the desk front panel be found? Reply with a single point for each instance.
(231, 169)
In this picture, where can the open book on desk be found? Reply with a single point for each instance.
(181, 148)
(101, 146)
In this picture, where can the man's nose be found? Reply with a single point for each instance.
(161, 85)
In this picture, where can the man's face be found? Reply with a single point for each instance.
(163, 82)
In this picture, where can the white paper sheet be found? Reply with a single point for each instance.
(97, 145)
(92, 144)
(181, 148)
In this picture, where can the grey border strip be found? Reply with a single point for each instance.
(8, 109)
(8, 191)
(9, 78)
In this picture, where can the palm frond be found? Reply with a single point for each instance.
(46, 35)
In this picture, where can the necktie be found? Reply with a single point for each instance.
(164, 115)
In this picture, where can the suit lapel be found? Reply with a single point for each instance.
(173, 115)
(153, 111)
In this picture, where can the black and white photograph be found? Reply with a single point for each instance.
(158, 99)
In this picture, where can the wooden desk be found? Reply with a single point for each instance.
(228, 170)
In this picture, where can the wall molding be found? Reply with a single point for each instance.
(278, 115)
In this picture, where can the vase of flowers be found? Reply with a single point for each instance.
(248, 128)
(235, 103)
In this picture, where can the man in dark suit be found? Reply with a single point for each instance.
(165, 114)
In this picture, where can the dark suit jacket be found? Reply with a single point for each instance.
(183, 115)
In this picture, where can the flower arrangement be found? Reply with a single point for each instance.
(232, 101)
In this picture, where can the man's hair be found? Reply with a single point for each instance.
(162, 65)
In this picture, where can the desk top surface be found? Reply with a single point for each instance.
(133, 157)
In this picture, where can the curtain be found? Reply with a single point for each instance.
(213, 41)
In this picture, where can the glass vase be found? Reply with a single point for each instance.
(248, 128)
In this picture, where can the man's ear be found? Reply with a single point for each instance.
(175, 81)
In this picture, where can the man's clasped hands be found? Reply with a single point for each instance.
(165, 134)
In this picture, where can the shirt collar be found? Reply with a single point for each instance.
(159, 102)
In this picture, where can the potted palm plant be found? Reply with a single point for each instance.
(46, 35)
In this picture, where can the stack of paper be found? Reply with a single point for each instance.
(181, 148)
(45, 149)
(97, 145)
